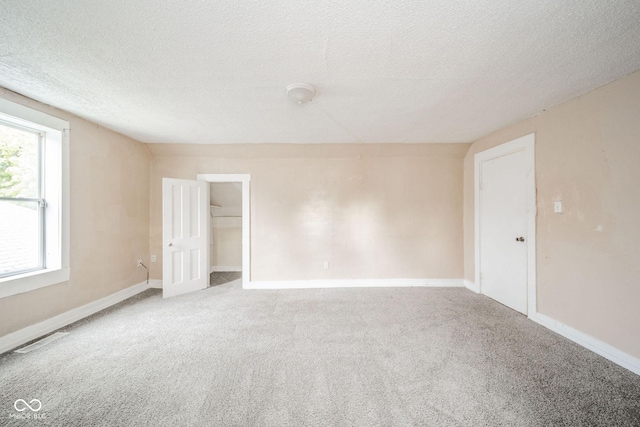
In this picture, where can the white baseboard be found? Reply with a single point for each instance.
(354, 283)
(155, 283)
(599, 347)
(472, 286)
(225, 268)
(24, 335)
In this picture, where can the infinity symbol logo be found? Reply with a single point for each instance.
(22, 405)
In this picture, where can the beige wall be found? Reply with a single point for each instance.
(372, 211)
(587, 155)
(227, 247)
(109, 201)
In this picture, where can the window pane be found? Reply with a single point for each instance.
(19, 170)
(19, 236)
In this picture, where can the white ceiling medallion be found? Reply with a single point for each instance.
(301, 92)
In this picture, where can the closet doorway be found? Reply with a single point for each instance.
(229, 227)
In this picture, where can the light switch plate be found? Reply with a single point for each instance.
(557, 206)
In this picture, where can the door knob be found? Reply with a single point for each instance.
(519, 239)
(171, 244)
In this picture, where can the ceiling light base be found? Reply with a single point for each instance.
(301, 93)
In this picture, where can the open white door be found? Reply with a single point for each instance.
(185, 206)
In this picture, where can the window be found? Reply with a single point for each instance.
(22, 203)
(34, 232)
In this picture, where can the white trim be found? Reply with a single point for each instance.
(24, 335)
(245, 179)
(28, 116)
(527, 143)
(222, 268)
(353, 283)
(155, 283)
(224, 177)
(599, 347)
(472, 286)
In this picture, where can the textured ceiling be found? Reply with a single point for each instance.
(201, 71)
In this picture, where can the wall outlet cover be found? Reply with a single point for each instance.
(557, 206)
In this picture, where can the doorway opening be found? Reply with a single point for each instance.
(225, 237)
(229, 227)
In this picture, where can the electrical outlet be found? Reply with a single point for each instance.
(326, 265)
(139, 262)
(153, 258)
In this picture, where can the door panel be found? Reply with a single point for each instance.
(185, 205)
(503, 229)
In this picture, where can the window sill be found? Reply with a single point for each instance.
(33, 280)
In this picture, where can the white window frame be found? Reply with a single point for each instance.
(56, 177)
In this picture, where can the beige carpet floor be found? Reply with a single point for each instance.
(322, 357)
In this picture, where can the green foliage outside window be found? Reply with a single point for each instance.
(8, 165)
(18, 163)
